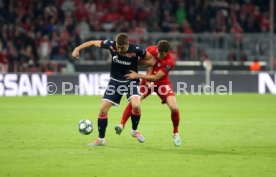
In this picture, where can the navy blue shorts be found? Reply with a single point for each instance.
(116, 89)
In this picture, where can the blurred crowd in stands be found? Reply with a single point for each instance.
(34, 32)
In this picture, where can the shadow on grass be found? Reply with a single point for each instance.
(184, 150)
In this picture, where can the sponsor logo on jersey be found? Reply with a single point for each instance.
(116, 60)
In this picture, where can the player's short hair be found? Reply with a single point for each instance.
(122, 39)
(164, 46)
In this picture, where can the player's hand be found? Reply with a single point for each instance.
(132, 75)
(76, 53)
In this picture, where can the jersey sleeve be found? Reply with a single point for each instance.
(107, 44)
(166, 69)
(141, 52)
(168, 66)
(151, 49)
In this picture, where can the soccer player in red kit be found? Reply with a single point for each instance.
(159, 75)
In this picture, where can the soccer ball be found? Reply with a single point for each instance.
(85, 127)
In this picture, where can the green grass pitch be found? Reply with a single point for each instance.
(222, 136)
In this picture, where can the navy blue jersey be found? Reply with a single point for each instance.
(122, 64)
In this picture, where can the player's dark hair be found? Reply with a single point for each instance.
(164, 46)
(122, 39)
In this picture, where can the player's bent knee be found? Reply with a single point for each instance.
(104, 108)
(136, 108)
(103, 112)
(174, 108)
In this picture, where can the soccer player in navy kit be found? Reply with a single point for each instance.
(124, 58)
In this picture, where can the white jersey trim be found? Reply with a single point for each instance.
(111, 102)
(133, 96)
(119, 80)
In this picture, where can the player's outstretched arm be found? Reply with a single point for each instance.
(76, 52)
(150, 78)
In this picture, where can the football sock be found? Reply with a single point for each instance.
(102, 124)
(135, 118)
(126, 114)
(175, 120)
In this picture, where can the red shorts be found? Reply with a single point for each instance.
(163, 91)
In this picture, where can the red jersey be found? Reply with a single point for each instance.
(165, 65)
